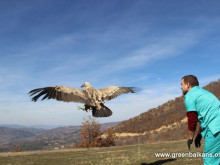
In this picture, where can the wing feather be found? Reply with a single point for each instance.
(112, 92)
(52, 93)
(35, 91)
(60, 93)
(46, 96)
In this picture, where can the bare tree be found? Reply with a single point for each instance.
(93, 137)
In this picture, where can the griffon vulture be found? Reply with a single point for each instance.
(92, 98)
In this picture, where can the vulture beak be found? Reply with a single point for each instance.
(83, 85)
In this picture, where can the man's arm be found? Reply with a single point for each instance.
(191, 134)
(198, 138)
(192, 123)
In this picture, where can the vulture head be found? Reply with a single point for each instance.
(85, 85)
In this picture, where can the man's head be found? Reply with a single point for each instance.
(188, 82)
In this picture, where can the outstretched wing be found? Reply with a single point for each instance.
(60, 93)
(112, 92)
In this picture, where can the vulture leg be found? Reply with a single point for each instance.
(87, 107)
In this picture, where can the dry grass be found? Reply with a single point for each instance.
(134, 154)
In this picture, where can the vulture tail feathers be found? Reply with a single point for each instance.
(103, 112)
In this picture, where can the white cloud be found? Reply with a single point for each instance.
(53, 113)
(164, 47)
(206, 80)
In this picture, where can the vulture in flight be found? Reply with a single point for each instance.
(92, 98)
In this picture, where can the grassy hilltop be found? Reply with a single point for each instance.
(133, 155)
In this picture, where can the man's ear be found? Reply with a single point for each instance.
(188, 85)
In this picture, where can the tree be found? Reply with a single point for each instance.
(93, 137)
(90, 132)
(108, 138)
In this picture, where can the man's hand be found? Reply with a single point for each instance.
(198, 140)
(189, 142)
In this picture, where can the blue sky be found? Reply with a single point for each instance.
(150, 44)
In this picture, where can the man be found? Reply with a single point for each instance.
(202, 106)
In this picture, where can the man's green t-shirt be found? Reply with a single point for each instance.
(207, 107)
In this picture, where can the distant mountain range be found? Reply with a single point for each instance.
(31, 126)
(37, 138)
(10, 134)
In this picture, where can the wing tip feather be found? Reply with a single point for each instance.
(135, 89)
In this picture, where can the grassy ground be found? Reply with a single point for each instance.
(133, 155)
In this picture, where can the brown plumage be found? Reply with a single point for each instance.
(92, 98)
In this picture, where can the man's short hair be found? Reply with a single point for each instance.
(191, 79)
